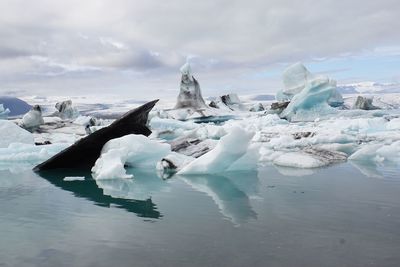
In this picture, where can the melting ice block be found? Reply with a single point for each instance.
(296, 78)
(229, 149)
(132, 150)
(312, 101)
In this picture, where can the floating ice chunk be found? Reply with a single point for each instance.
(257, 108)
(312, 102)
(364, 103)
(378, 153)
(12, 133)
(3, 112)
(172, 163)
(190, 93)
(73, 178)
(298, 160)
(132, 150)
(66, 110)
(310, 158)
(229, 149)
(232, 101)
(33, 118)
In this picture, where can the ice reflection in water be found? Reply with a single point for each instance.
(230, 193)
(88, 189)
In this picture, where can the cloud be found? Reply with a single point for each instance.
(153, 38)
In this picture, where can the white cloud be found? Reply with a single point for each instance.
(221, 37)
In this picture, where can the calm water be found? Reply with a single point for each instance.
(344, 215)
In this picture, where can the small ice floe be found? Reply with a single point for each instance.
(33, 119)
(73, 178)
(378, 153)
(66, 110)
(310, 158)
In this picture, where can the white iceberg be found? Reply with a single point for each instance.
(312, 101)
(33, 118)
(229, 149)
(66, 110)
(131, 150)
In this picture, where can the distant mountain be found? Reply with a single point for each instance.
(264, 97)
(15, 105)
(369, 88)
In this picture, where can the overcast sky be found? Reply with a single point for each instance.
(136, 47)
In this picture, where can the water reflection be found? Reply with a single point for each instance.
(230, 193)
(141, 187)
(88, 189)
(374, 170)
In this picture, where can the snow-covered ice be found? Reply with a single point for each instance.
(133, 150)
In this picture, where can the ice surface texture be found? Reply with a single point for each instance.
(12, 133)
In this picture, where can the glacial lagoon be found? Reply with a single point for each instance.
(344, 215)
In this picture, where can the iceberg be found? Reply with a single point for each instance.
(12, 133)
(229, 149)
(297, 79)
(364, 103)
(129, 150)
(66, 110)
(378, 153)
(190, 93)
(33, 119)
(312, 101)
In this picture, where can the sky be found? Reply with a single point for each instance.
(135, 48)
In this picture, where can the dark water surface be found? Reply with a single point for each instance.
(344, 215)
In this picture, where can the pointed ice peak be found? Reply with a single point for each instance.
(186, 69)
